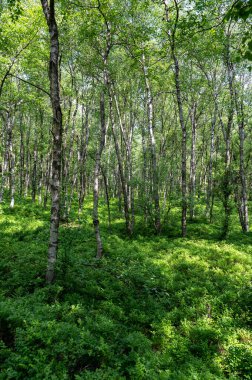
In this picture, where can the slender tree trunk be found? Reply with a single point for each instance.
(68, 160)
(244, 201)
(118, 191)
(27, 160)
(108, 85)
(120, 165)
(171, 37)
(65, 163)
(34, 170)
(143, 194)
(226, 188)
(84, 139)
(227, 183)
(96, 179)
(210, 169)
(47, 178)
(243, 181)
(183, 146)
(22, 157)
(132, 198)
(217, 146)
(8, 166)
(105, 180)
(131, 183)
(73, 187)
(193, 162)
(40, 179)
(11, 165)
(5, 164)
(49, 13)
(126, 140)
(155, 181)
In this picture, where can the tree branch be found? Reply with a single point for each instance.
(13, 60)
(31, 84)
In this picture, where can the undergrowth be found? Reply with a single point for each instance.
(155, 307)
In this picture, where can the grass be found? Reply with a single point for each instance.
(155, 307)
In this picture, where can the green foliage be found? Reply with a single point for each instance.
(242, 9)
(15, 8)
(239, 361)
(152, 308)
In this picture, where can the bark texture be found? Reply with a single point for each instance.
(49, 12)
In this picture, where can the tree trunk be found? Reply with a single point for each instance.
(47, 178)
(183, 146)
(244, 201)
(34, 170)
(84, 139)
(11, 165)
(68, 160)
(49, 13)
(143, 192)
(96, 178)
(210, 169)
(227, 183)
(40, 179)
(193, 162)
(5, 164)
(171, 37)
(27, 159)
(105, 180)
(22, 157)
(155, 181)
(120, 165)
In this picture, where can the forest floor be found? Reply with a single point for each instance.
(155, 307)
